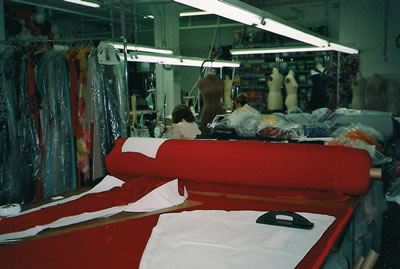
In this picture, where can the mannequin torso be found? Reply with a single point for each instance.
(320, 81)
(376, 93)
(228, 93)
(393, 97)
(291, 91)
(318, 69)
(275, 100)
(211, 89)
(358, 88)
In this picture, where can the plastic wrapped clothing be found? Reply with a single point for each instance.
(58, 165)
(245, 121)
(110, 109)
(297, 126)
(19, 156)
(363, 137)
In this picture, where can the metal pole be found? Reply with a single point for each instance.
(338, 81)
(127, 115)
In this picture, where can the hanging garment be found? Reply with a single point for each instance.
(319, 96)
(17, 152)
(73, 86)
(33, 105)
(59, 168)
(110, 110)
(84, 134)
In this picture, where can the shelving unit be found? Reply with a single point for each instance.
(253, 74)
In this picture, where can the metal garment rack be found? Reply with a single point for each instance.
(58, 40)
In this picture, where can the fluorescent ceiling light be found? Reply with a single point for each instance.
(178, 60)
(276, 50)
(288, 31)
(120, 45)
(226, 10)
(341, 48)
(194, 13)
(332, 46)
(246, 14)
(83, 3)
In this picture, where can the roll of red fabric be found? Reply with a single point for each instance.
(251, 163)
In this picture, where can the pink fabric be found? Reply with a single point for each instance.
(251, 163)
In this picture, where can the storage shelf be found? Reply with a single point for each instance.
(255, 70)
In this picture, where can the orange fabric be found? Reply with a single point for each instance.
(359, 135)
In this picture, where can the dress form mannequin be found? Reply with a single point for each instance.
(376, 93)
(211, 89)
(275, 100)
(291, 91)
(320, 81)
(359, 87)
(393, 97)
(228, 93)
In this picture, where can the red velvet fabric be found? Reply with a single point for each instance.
(251, 163)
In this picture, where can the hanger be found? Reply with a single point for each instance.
(43, 48)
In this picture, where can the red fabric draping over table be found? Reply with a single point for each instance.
(130, 192)
(120, 245)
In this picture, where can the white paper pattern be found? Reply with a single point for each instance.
(144, 145)
(164, 196)
(106, 184)
(228, 239)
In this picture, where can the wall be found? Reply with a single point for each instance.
(362, 24)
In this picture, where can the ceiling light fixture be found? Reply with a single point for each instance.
(276, 50)
(226, 10)
(342, 48)
(194, 13)
(135, 47)
(332, 46)
(246, 14)
(83, 3)
(279, 28)
(178, 60)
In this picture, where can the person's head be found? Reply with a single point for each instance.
(182, 112)
(240, 100)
